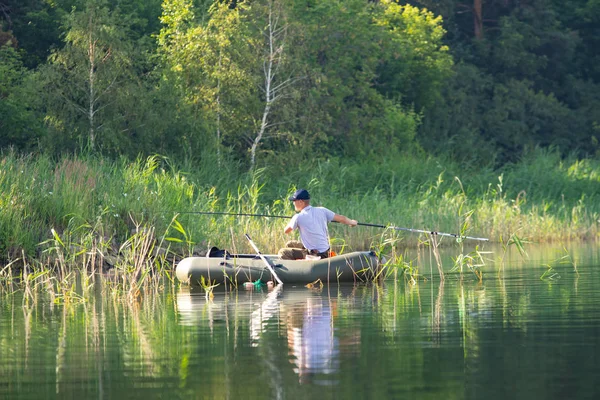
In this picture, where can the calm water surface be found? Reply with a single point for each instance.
(512, 336)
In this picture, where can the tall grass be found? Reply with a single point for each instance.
(89, 210)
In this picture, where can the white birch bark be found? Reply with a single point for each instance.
(275, 42)
(91, 80)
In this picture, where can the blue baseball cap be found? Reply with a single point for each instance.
(300, 194)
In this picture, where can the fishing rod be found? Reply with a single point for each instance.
(233, 214)
(454, 235)
(397, 228)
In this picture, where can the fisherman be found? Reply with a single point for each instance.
(311, 222)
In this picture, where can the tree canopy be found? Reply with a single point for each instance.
(258, 81)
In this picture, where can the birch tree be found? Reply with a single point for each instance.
(275, 83)
(87, 72)
(231, 67)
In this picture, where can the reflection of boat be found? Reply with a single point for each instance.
(357, 266)
(306, 316)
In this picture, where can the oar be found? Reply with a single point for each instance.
(267, 263)
(454, 235)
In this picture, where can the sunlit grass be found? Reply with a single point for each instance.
(136, 218)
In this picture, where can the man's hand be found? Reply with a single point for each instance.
(344, 220)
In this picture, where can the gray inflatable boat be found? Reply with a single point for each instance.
(358, 266)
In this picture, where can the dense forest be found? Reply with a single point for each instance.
(122, 116)
(258, 82)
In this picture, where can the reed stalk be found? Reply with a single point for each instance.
(87, 214)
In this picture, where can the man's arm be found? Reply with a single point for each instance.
(345, 220)
(290, 225)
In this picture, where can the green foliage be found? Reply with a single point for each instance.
(82, 210)
(36, 26)
(480, 120)
(19, 124)
(416, 62)
(211, 63)
(356, 79)
(525, 83)
(331, 103)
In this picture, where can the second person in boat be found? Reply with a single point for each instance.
(311, 222)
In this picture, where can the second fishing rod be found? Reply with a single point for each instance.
(413, 230)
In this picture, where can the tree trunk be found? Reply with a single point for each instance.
(91, 80)
(273, 57)
(478, 18)
(219, 116)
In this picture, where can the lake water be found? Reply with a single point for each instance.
(513, 335)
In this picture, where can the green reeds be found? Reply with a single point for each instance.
(89, 214)
(566, 259)
(473, 262)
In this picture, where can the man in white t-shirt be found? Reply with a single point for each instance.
(311, 222)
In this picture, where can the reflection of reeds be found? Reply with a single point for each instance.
(434, 248)
(438, 312)
(61, 350)
(87, 338)
(27, 315)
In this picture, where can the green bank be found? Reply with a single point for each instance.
(84, 203)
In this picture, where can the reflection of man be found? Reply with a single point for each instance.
(311, 339)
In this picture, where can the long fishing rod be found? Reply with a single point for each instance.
(233, 214)
(454, 235)
(397, 228)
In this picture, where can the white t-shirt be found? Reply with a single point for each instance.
(312, 224)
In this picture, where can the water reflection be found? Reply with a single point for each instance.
(513, 335)
(313, 347)
(304, 317)
(263, 314)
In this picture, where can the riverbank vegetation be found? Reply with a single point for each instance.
(118, 120)
(79, 204)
